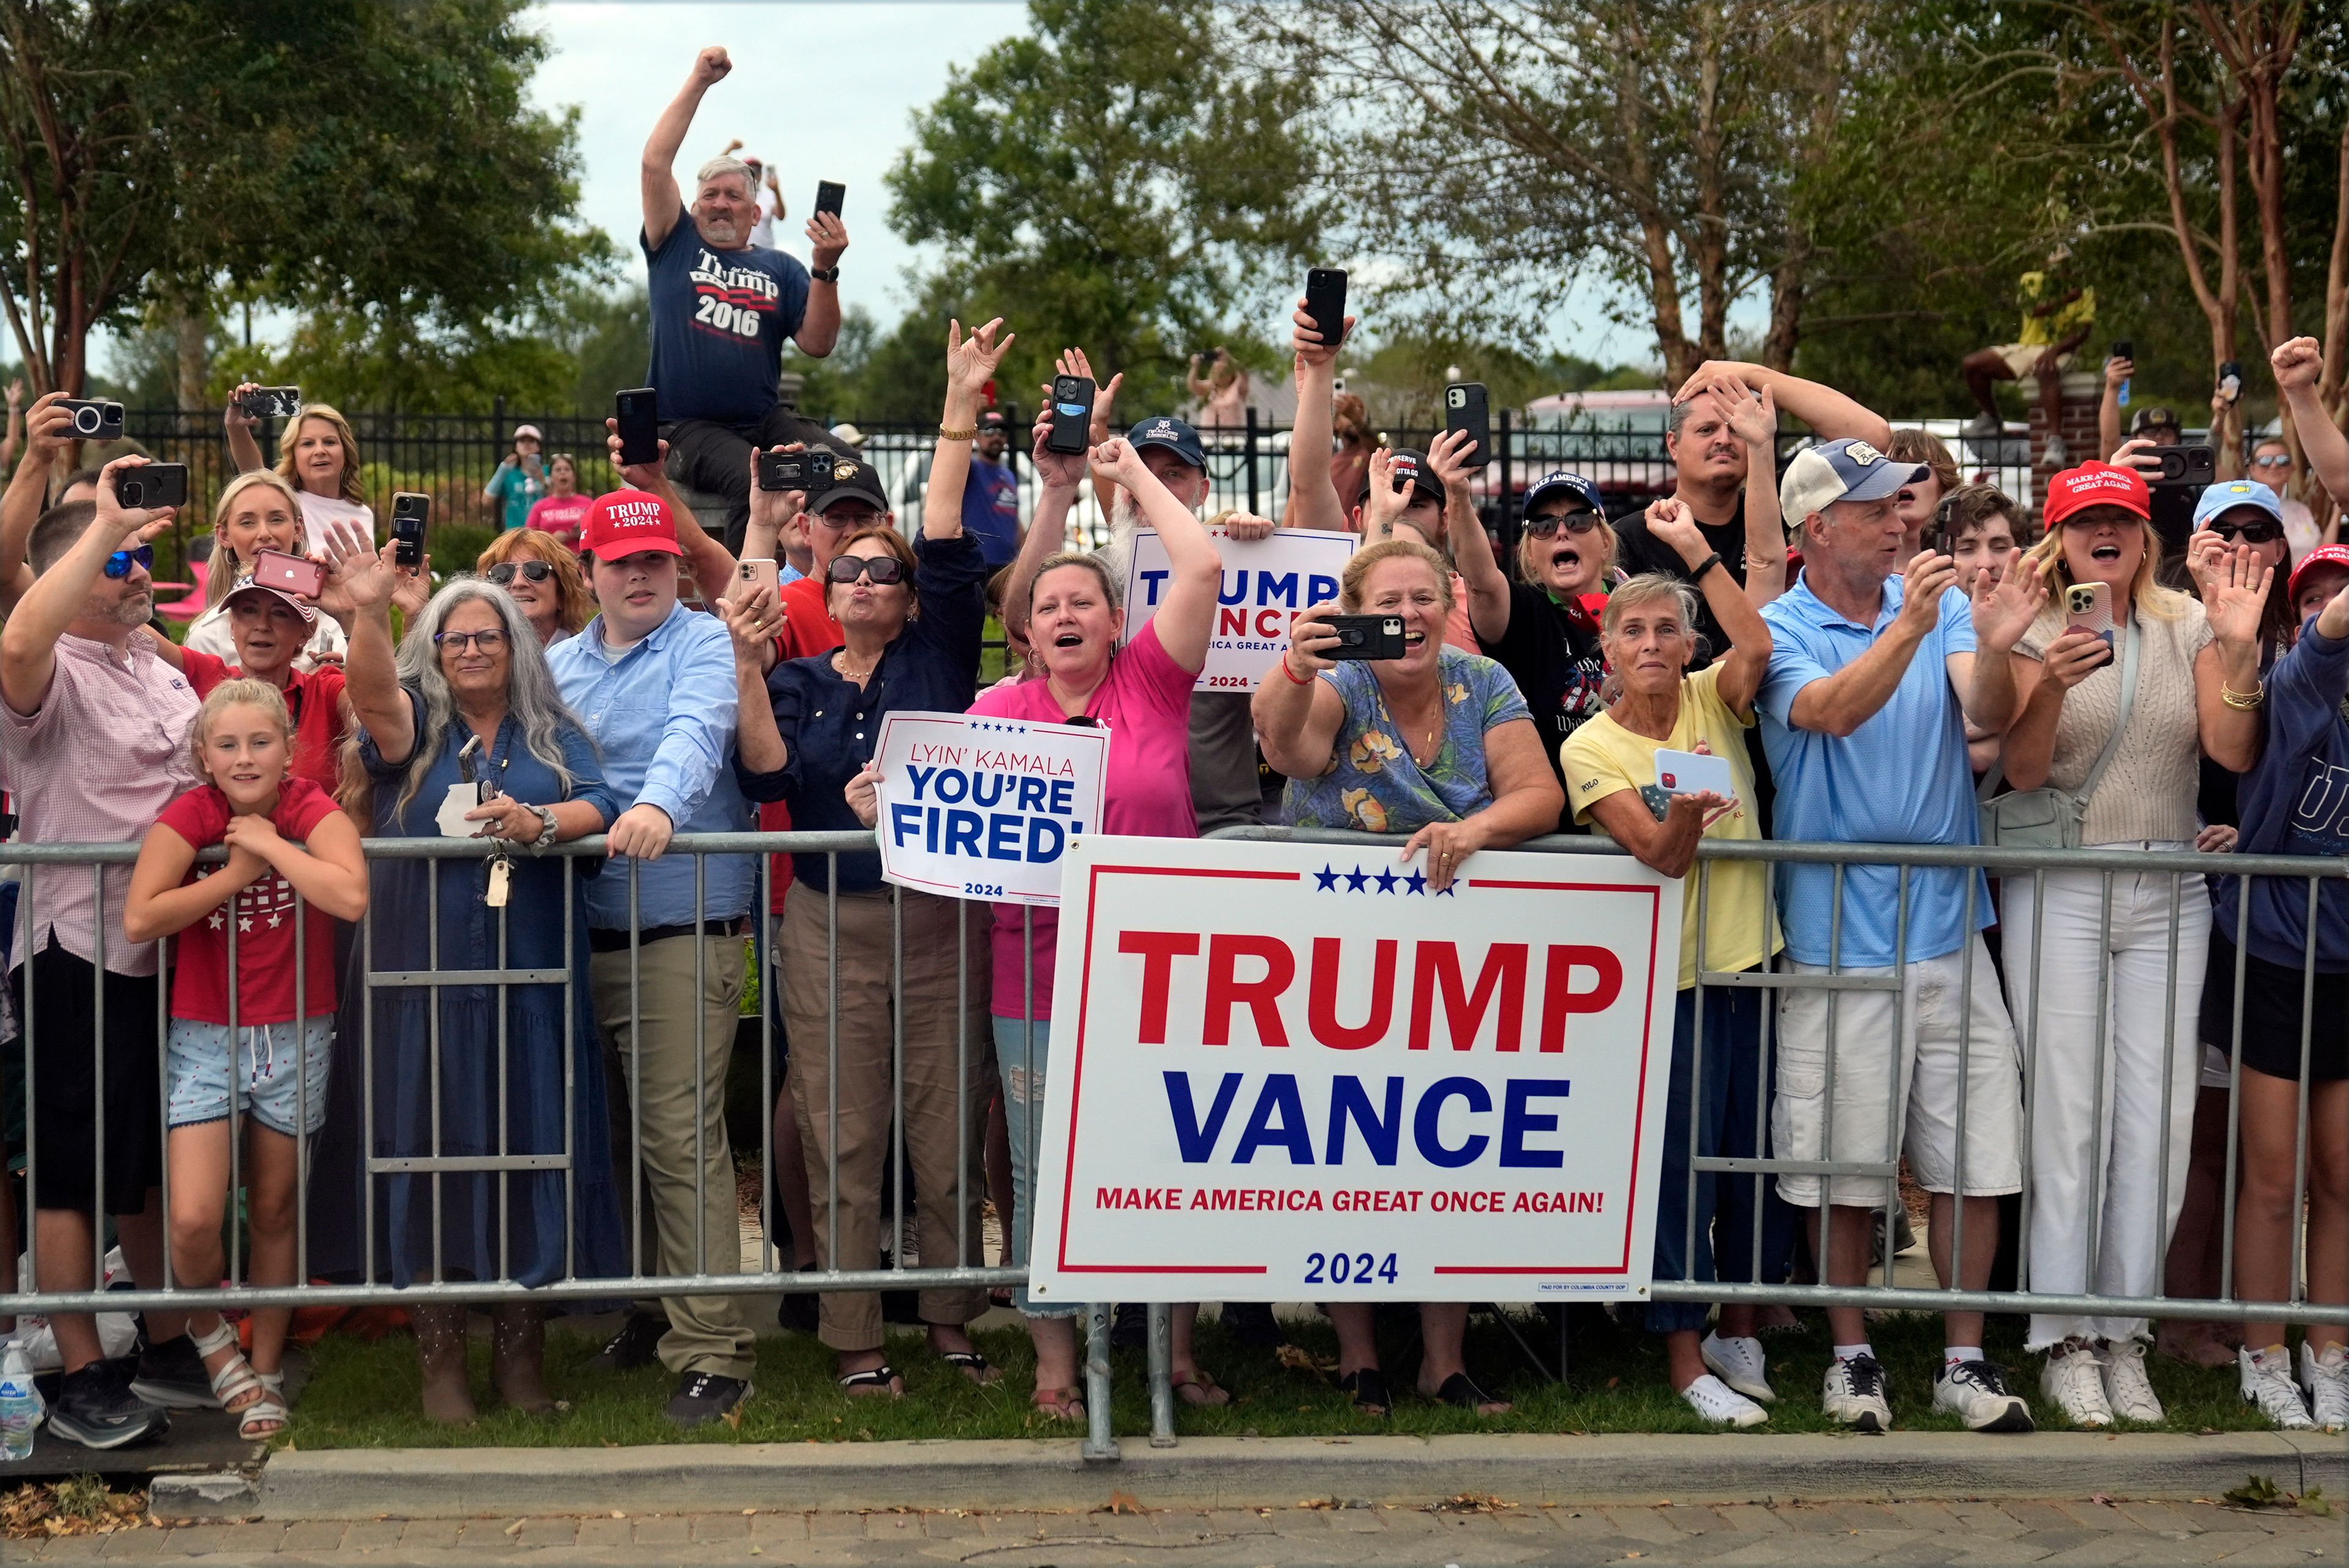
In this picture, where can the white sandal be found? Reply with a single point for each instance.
(266, 1415)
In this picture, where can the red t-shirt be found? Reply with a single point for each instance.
(264, 910)
(808, 627)
(562, 516)
(314, 698)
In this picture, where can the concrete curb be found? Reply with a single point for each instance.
(1267, 1472)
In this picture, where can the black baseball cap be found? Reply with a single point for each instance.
(1171, 434)
(1412, 466)
(851, 477)
(2156, 417)
(992, 419)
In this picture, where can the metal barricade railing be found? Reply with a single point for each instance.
(492, 969)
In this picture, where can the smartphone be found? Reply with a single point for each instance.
(2124, 348)
(1365, 637)
(749, 577)
(295, 573)
(152, 485)
(1072, 415)
(95, 420)
(270, 402)
(1465, 409)
(1690, 773)
(2231, 379)
(809, 473)
(410, 513)
(828, 193)
(638, 412)
(2088, 607)
(2196, 467)
(1325, 302)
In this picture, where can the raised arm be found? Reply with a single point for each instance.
(28, 645)
(656, 177)
(1298, 715)
(819, 328)
(2003, 603)
(1185, 620)
(1472, 548)
(758, 739)
(970, 366)
(1754, 421)
(47, 427)
(359, 575)
(2118, 371)
(1059, 474)
(244, 451)
(2296, 365)
(1830, 415)
(1313, 498)
(1840, 703)
(2234, 599)
(1670, 522)
(711, 563)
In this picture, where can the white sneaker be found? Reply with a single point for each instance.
(2128, 1390)
(1976, 1392)
(2270, 1386)
(2072, 1382)
(2326, 1378)
(1739, 1362)
(1854, 1395)
(1722, 1405)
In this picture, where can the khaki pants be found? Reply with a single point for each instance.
(857, 1142)
(706, 1333)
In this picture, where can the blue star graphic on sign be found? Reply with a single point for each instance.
(1387, 881)
(1447, 890)
(1324, 880)
(1416, 883)
(1356, 879)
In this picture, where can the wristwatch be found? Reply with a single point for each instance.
(545, 828)
(825, 274)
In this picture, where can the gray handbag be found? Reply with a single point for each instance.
(2046, 818)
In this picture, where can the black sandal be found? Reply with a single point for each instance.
(879, 1377)
(1461, 1389)
(971, 1365)
(1368, 1385)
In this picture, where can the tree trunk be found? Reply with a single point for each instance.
(191, 328)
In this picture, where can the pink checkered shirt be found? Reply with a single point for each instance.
(99, 761)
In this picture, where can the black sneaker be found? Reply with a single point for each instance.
(172, 1374)
(703, 1397)
(1130, 1330)
(636, 1344)
(1252, 1324)
(95, 1408)
(800, 1312)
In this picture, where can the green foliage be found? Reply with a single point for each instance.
(1113, 179)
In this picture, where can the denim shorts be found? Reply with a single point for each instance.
(267, 1074)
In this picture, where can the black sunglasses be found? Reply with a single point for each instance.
(1573, 522)
(885, 571)
(2259, 531)
(536, 571)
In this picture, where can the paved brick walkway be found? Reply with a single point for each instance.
(1800, 1534)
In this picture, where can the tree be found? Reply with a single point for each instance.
(1114, 179)
(372, 162)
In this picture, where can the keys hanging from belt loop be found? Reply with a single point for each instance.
(500, 879)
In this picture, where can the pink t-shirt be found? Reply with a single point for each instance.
(562, 516)
(1145, 705)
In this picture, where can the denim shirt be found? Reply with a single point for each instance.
(664, 716)
(829, 726)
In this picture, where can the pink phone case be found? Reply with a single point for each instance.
(291, 573)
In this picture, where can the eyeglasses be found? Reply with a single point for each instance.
(488, 642)
(885, 571)
(536, 571)
(2259, 531)
(2273, 460)
(1573, 522)
(119, 563)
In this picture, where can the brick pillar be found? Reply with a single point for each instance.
(2083, 391)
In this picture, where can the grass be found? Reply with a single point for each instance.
(364, 1394)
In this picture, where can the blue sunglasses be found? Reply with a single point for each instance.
(119, 563)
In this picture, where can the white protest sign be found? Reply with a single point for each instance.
(1266, 582)
(1294, 1072)
(984, 808)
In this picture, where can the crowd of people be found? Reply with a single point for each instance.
(1881, 654)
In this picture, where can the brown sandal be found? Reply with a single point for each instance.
(1200, 1389)
(1061, 1404)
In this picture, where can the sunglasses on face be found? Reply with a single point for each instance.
(536, 571)
(488, 641)
(1573, 522)
(119, 563)
(2273, 460)
(885, 571)
(2260, 531)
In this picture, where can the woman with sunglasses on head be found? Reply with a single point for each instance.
(561, 512)
(544, 579)
(911, 629)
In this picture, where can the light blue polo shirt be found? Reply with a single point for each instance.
(1899, 778)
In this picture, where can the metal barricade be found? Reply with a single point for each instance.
(425, 1162)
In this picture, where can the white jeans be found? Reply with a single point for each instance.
(2097, 1117)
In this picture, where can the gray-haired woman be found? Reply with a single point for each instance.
(467, 697)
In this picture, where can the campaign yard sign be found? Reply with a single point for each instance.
(1288, 1072)
(984, 808)
(1266, 582)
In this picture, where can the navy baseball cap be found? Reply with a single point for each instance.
(1171, 434)
(1848, 469)
(1584, 494)
(1411, 465)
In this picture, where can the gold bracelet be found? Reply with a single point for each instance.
(2242, 701)
(947, 435)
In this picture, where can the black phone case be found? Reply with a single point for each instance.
(1381, 637)
(1071, 432)
(1325, 302)
(638, 412)
(410, 516)
(152, 485)
(828, 195)
(1465, 407)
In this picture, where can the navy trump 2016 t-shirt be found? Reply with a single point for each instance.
(719, 319)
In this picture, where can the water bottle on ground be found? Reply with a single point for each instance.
(20, 1406)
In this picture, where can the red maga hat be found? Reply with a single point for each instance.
(2096, 484)
(626, 521)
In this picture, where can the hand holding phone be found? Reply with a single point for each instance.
(1072, 416)
(637, 412)
(1325, 302)
(1364, 637)
(410, 512)
(2088, 607)
(1465, 409)
(829, 194)
(295, 573)
(153, 486)
(749, 577)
